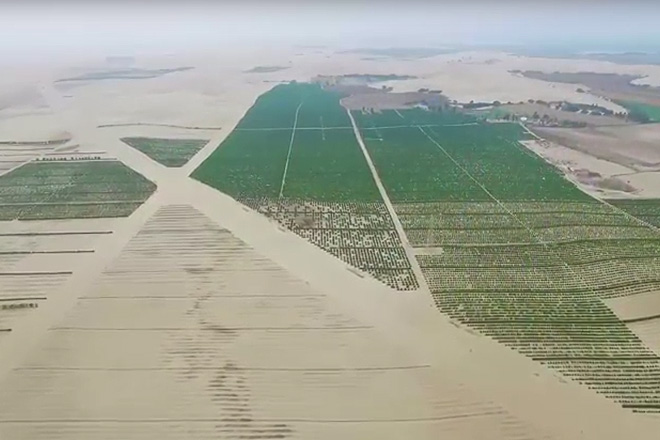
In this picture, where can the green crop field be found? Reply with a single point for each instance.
(510, 247)
(169, 152)
(313, 179)
(68, 189)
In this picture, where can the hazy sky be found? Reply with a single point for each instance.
(33, 25)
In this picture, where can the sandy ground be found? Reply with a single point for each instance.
(643, 313)
(197, 316)
(38, 257)
(598, 177)
(633, 171)
(217, 90)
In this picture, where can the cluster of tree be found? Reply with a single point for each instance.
(546, 120)
(474, 105)
(592, 109)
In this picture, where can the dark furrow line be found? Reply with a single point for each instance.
(74, 251)
(512, 266)
(30, 274)
(31, 234)
(210, 298)
(642, 319)
(223, 368)
(219, 330)
(264, 420)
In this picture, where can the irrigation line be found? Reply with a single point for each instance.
(288, 155)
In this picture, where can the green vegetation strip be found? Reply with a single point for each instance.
(61, 190)
(168, 152)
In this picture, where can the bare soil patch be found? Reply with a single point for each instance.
(614, 86)
(633, 146)
(383, 100)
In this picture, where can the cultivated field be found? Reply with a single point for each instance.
(196, 317)
(173, 153)
(72, 189)
(615, 86)
(513, 249)
(295, 158)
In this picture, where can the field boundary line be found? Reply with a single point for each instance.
(288, 155)
(407, 247)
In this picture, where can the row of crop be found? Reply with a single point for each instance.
(539, 255)
(492, 207)
(312, 207)
(328, 238)
(66, 211)
(510, 306)
(335, 221)
(398, 279)
(441, 237)
(72, 190)
(373, 258)
(589, 276)
(630, 382)
(647, 210)
(66, 194)
(360, 234)
(505, 220)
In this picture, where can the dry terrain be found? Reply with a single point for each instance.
(636, 167)
(613, 86)
(197, 317)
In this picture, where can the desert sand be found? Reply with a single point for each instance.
(197, 317)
